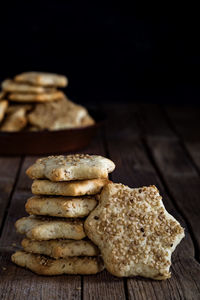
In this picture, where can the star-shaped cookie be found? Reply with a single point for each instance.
(134, 232)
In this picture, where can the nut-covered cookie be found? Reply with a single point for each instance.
(43, 228)
(71, 167)
(60, 248)
(134, 232)
(68, 188)
(44, 265)
(65, 207)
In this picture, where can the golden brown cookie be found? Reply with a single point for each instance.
(15, 121)
(71, 167)
(38, 228)
(68, 188)
(57, 115)
(3, 108)
(43, 79)
(11, 86)
(87, 121)
(43, 97)
(43, 265)
(60, 248)
(134, 232)
(66, 207)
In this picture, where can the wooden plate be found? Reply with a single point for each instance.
(49, 142)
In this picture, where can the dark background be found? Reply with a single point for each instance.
(109, 52)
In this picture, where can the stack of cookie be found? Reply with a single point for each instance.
(65, 191)
(32, 101)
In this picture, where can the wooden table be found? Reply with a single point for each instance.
(150, 145)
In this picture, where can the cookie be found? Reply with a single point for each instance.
(66, 207)
(13, 108)
(43, 97)
(3, 108)
(43, 265)
(43, 228)
(57, 115)
(60, 248)
(71, 167)
(68, 188)
(87, 121)
(2, 94)
(44, 79)
(9, 85)
(15, 121)
(134, 232)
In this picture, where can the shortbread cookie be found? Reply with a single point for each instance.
(43, 265)
(44, 79)
(87, 121)
(38, 228)
(44, 97)
(66, 207)
(68, 188)
(57, 115)
(61, 248)
(71, 167)
(3, 108)
(134, 232)
(9, 85)
(15, 121)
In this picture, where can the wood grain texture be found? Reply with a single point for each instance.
(181, 179)
(186, 122)
(153, 122)
(8, 171)
(119, 117)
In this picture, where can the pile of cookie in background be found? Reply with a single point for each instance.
(32, 102)
(57, 210)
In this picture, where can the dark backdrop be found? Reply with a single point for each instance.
(109, 52)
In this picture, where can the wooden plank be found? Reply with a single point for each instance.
(8, 172)
(186, 122)
(153, 122)
(18, 283)
(181, 179)
(119, 117)
(103, 286)
(193, 148)
(135, 169)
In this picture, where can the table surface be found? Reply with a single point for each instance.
(150, 144)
